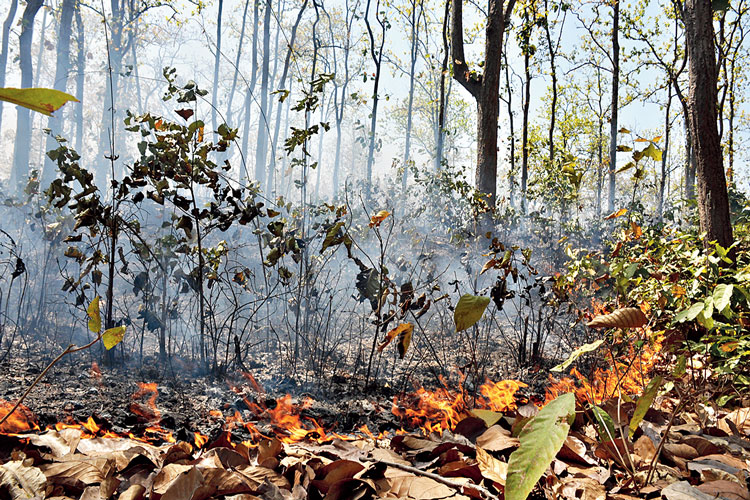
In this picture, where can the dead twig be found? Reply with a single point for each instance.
(461, 487)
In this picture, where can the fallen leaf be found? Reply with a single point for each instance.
(22, 481)
(497, 439)
(492, 468)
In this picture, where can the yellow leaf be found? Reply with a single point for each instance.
(469, 310)
(488, 265)
(404, 340)
(617, 214)
(95, 318)
(637, 231)
(401, 329)
(200, 134)
(379, 217)
(45, 101)
(113, 336)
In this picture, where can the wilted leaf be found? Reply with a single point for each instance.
(404, 340)
(644, 403)
(497, 439)
(399, 330)
(22, 481)
(95, 318)
(627, 317)
(113, 336)
(332, 236)
(616, 214)
(185, 113)
(378, 218)
(469, 310)
(577, 354)
(490, 417)
(45, 101)
(540, 439)
(492, 468)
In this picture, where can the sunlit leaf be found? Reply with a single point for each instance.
(401, 329)
(469, 310)
(45, 101)
(616, 214)
(644, 403)
(722, 296)
(540, 439)
(113, 336)
(577, 354)
(404, 340)
(379, 217)
(95, 318)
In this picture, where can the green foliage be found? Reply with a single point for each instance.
(45, 101)
(540, 440)
(469, 310)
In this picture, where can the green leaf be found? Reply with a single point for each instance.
(469, 310)
(577, 354)
(95, 319)
(652, 152)
(332, 237)
(490, 417)
(45, 101)
(690, 313)
(113, 336)
(722, 296)
(644, 403)
(605, 426)
(540, 439)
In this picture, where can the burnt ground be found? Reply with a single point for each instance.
(80, 386)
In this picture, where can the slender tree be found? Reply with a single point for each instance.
(20, 169)
(12, 8)
(485, 88)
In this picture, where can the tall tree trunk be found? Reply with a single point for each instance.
(244, 172)
(526, 103)
(237, 64)
(20, 170)
(410, 106)
(485, 90)
(713, 202)
(282, 83)
(80, 76)
(615, 103)
(664, 158)
(261, 148)
(4, 50)
(443, 72)
(217, 65)
(62, 68)
(512, 132)
(553, 83)
(377, 58)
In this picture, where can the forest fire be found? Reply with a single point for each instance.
(628, 374)
(21, 420)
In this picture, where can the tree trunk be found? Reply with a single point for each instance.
(261, 148)
(615, 103)
(553, 74)
(713, 202)
(244, 172)
(664, 158)
(237, 64)
(20, 169)
(525, 125)
(4, 51)
(217, 65)
(486, 90)
(377, 58)
(410, 106)
(62, 68)
(443, 72)
(80, 76)
(512, 132)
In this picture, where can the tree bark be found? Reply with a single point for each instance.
(237, 64)
(80, 76)
(20, 170)
(244, 172)
(4, 51)
(615, 103)
(217, 65)
(485, 88)
(713, 202)
(261, 149)
(62, 68)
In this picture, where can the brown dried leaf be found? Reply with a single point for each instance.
(497, 439)
(22, 481)
(627, 317)
(350, 489)
(730, 490)
(492, 468)
(135, 492)
(405, 485)
(74, 473)
(335, 472)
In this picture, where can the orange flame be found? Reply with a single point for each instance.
(20, 421)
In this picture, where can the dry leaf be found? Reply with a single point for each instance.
(22, 481)
(492, 468)
(729, 490)
(497, 439)
(628, 317)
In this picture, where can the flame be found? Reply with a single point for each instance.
(627, 374)
(199, 439)
(21, 420)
